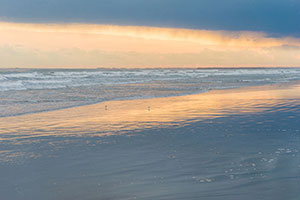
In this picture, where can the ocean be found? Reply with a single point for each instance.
(24, 91)
(150, 134)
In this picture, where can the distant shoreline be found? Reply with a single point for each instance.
(144, 68)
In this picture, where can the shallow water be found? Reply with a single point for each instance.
(230, 144)
(25, 91)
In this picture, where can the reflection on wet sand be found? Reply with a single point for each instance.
(231, 144)
(117, 117)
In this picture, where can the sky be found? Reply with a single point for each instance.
(149, 33)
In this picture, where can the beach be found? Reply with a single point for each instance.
(240, 143)
(149, 100)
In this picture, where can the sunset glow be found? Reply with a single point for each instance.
(91, 45)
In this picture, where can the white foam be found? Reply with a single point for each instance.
(12, 85)
(22, 75)
(211, 78)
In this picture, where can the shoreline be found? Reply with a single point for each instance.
(118, 117)
(221, 143)
(293, 82)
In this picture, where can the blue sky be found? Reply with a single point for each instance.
(275, 17)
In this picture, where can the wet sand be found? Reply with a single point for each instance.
(227, 144)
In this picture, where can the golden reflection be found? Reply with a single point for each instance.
(115, 117)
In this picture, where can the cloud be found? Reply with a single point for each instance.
(278, 17)
(92, 45)
(201, 37)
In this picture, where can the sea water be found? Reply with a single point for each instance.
(24, 91)
(227, 144)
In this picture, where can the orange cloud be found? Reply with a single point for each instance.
(149, 43)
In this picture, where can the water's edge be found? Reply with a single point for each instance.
(36, 90)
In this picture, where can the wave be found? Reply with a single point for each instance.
(45, 89)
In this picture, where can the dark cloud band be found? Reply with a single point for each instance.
(278, 18)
